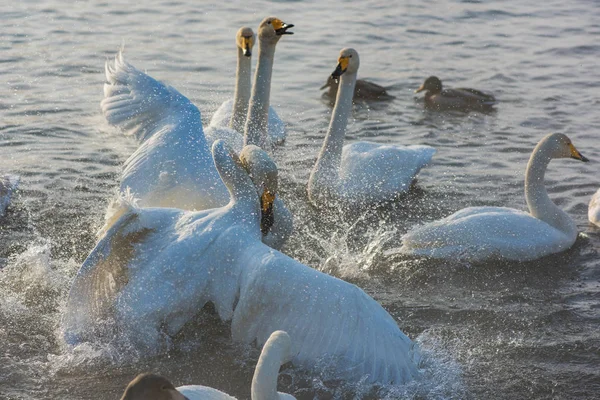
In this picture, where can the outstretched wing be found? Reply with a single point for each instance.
(102, 276)
(332, 323)
(141, 105)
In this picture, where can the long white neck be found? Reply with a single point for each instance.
(257, 122)
(540, 205)
(241, 96)
(326, 169)
(275, 352)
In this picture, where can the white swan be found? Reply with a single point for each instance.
(275, 352)
(594, 209)
(256, 129)
(155, 268)
(480, 233)
(233, 112)
(360, 172)
(173, 166)
(8, 184)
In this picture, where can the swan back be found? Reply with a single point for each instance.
(275, 352)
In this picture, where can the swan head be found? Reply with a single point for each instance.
(272, 28)
(245, 39)
(151, 387)
(348, 61)
(557, 145)
(433, 85)
(263, 172)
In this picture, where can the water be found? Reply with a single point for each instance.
(502, 330)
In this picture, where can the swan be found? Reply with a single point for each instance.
(270, 31)
(275, 352)
(360, 172)
(480, 233)
(454, 99)
(155, 268)
(594, 209)
(8, 184)
(233, 112)
(173, 165)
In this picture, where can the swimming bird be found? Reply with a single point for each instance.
(594, 209)
(233, 112)
(270, 30)
(482, 233)
(173, 166)
(360, 172)
(8, 184)
(155, 268)
(454, 99)
(363, 91)
(275, 352)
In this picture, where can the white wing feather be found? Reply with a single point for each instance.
(331, 322)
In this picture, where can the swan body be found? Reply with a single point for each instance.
(360, 172)
(594, 209)
(481, 233)
(275, 352)
(173, 166)
(454, 99)
(155, 268)
(8, 184)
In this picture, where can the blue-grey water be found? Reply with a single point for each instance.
(494, 331)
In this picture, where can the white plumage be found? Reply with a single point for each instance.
(155, 268)
(173, 166)
(594, 209)
(360, 172)
(481, 233)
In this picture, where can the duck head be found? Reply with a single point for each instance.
(432, 84)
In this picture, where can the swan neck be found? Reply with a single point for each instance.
(264, 382)
(241, 95)
(539, 203)
(328, 162)
(258, 110)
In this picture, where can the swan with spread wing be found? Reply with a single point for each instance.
(155, 268)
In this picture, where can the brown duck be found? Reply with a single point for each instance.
(464, 99)
(363, 91)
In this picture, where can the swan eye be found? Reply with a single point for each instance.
(350, 56)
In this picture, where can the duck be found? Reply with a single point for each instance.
(155, 268)
(8, 184)
(463, 99)
(363, 91)
(173, 166)
(360, 172)
(594, 209)
(477, 234)
(275, 352)
(233, 112)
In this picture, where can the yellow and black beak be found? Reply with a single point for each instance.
(420, 89)
(576, 154)
(247, 46)
(281, 28)
(267, 216)
(341, 67)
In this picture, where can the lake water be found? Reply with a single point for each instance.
(500, 330)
